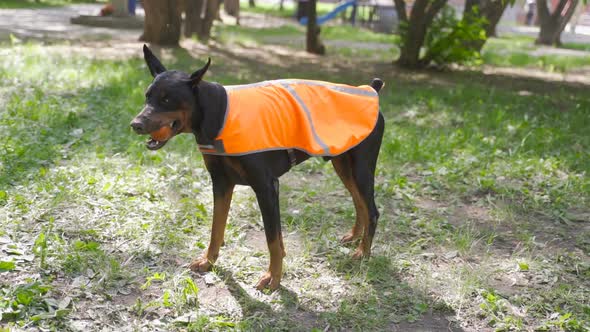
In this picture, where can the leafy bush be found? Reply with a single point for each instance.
(453, 40)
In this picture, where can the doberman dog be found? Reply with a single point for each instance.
(182, 103)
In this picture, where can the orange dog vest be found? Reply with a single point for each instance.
(319, 118)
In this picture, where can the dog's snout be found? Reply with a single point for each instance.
(138, 126)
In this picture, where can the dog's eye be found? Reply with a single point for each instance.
(166, 100)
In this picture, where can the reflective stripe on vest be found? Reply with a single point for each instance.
(319, 118)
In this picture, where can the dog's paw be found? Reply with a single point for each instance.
(359, 254)
(349, 237)
(200, 265)
(267, 279)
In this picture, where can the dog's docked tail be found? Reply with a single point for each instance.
(377, 84)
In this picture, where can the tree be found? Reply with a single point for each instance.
(199, 25)
(414, 29)
(434, 27)
(552, 24)
(490, 10)
(162, 22)
(314, 45)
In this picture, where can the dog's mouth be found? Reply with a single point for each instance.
(159, 138)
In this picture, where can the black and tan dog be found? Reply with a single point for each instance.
(180, 103)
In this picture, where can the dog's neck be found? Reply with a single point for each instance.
(208, 112)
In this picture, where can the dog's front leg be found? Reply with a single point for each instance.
(267, 194)
(222, 194)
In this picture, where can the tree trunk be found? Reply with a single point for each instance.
(491, 10)
(314, 45)
(193, 19)
(232, 8)
(251, 3)
(200, 15)
(552, 24)
(410, 51)
(162, 22)
(416, 27)
(549, 33)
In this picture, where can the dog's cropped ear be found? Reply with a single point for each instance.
(155, 66)
(197, 76)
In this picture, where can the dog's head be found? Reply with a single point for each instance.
(169, 102)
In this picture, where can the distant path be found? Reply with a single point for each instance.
(54, 24)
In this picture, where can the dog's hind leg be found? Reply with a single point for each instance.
(365, 183)
(364, 162)
(267, 194)
(356, 169)
(343, 167)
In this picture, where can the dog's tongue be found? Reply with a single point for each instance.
(152, 144)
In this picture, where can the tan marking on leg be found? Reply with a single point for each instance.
(344, 171)
(220, 211)
(272, 278)
(282, 245)
(363, 250)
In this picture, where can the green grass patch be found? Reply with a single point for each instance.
(515, 51)
(352, 33)
(343, 40)
(576, 46)
(234, 34)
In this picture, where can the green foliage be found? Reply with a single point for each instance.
(82, 254)
(40, 247)
(7, 266)
(453, 40)
(449, 39)
(179, 293)
(567, 322)
(158, 277)
(28, 301)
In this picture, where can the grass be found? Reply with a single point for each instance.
(351, 42)
(515, 51)
(576, 46)
(482, 186)
(345, 41)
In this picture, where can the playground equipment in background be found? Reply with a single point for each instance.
(324, 18)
